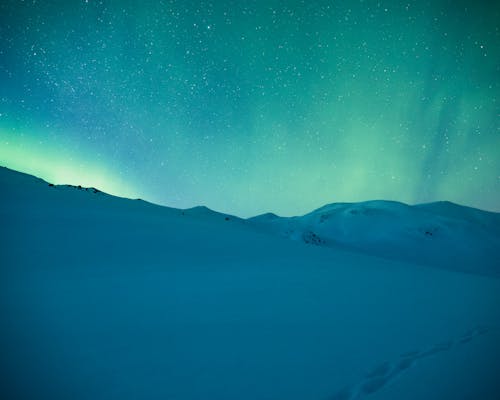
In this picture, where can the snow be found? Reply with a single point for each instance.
(440, 234)
(103, 297)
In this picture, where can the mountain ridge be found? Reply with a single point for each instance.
(270, 213)
(439, 234)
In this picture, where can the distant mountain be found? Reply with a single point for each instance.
(439, 234)
(109, 298)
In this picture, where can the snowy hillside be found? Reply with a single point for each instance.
(439, 234)
(109, 298)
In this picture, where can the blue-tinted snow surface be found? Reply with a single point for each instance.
(441, 234)
(107, 298)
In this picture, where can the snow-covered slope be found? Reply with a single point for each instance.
(439, 234)
(109, 298)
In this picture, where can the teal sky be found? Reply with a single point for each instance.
(255, 106)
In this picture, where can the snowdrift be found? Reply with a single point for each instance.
(110, 298)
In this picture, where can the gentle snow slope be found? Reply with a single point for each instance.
(108, 298)
(442, 234)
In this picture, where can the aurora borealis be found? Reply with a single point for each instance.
(255, 106)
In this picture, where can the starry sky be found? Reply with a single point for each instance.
(255, 106)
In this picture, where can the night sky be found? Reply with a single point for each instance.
(255, 106)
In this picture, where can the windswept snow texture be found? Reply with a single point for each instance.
(441, 234)
(108, 298)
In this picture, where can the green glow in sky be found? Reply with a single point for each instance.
(58, 165)
(256, 106)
